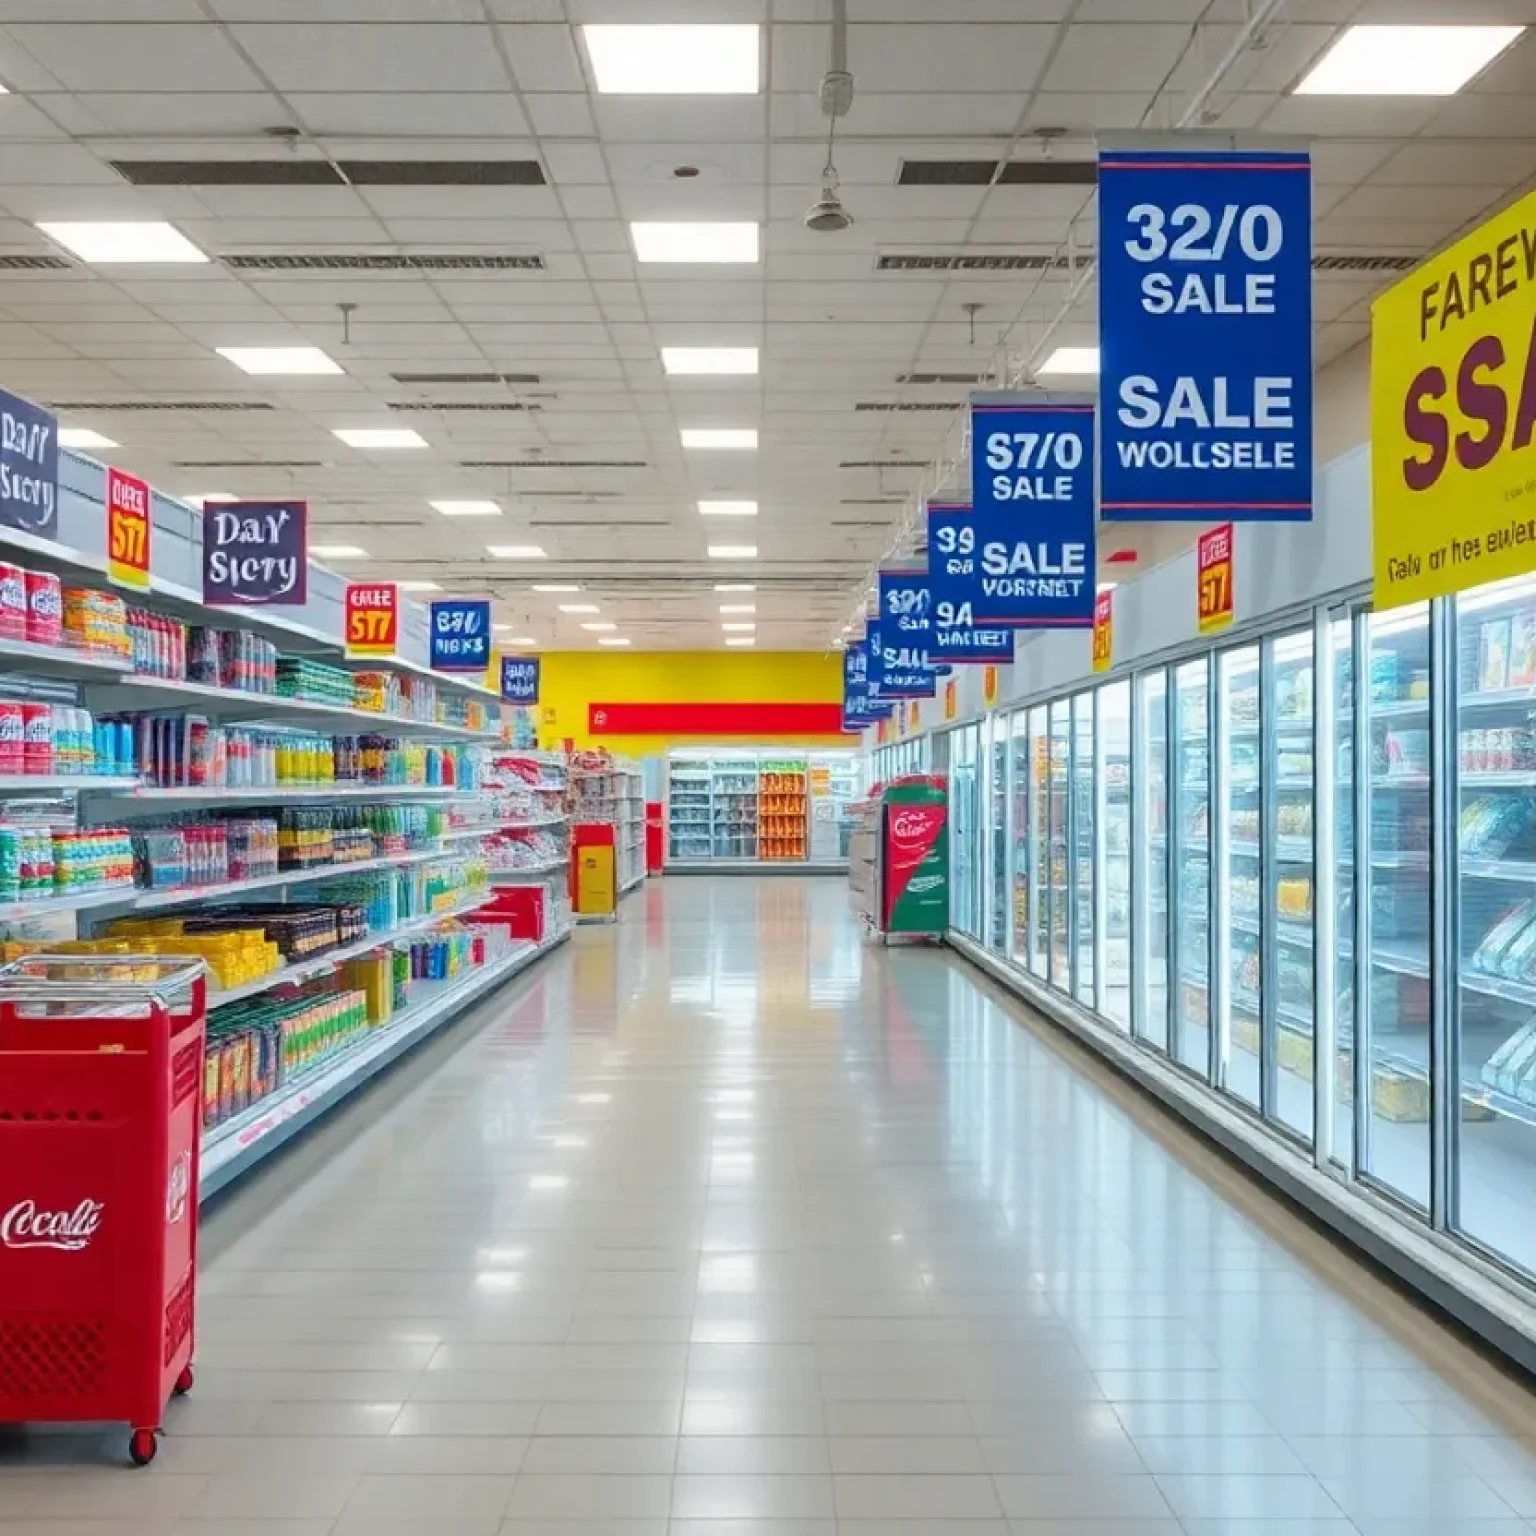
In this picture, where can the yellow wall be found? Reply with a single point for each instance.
(571, 680)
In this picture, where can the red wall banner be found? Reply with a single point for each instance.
(715, 720)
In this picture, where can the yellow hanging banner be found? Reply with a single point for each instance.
(1453, 416)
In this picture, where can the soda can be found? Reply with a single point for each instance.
(45, 608)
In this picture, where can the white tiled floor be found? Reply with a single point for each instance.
(722, 1224)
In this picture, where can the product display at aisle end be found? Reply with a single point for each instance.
(759, 808)
(606, 790)
(898, 872)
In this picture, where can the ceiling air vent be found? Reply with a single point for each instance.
(295, 172)
(908, 405)
(946, 173)
(1379, 262)
(376, 261)
(881, 464)
(162, 405)
(33, 264)
(462, 405)
(937, 378)
(1000, 261)
(250, 464)
(872, 501)
(1048, 173)
(553, 464)
(465, 378)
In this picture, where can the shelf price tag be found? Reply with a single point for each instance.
(1103, 631)
(373, 618)
(1213, 576)
(128, 530)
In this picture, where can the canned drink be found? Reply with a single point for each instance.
(45, 608)
(12, 758)
(13, 601)
(37, 738)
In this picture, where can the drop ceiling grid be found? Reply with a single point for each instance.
(436, 83)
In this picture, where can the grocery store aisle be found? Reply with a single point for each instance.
(723, 1217)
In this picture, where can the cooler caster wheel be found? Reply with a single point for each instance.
(184, 1381)
(142, 1446)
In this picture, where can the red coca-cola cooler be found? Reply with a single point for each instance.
(655, 837)
(101, 1092)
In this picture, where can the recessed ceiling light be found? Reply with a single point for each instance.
(555, 586)
(523, 640)
(689, 242)
(278, 360)
(418, 586)
(728, 508)
(658, 60)
(132, 240)
(380, 437)
(1107, 586)
(339, 551)
(1405, 61)
(578, 607)
(613, 640)
(740, 640)
(600, 626)
(735, 586)
(733, 551)
(738, 629)
(738, 607)
(466, 508)
(718, 360)
(719, 437)
(83, 437)
(1081, 360)
(202, 498)
(514, 551)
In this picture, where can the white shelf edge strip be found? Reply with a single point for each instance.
(230, 1149)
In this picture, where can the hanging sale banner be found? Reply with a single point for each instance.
(460, 631)
(906, 626)
(1453, 416)
(255, 554)
(372, 617)
(1205, 335)
(1214, 599)
(1033, 506)
(29, 467)
(952, 555)
(859, 709)
(128, 530)
(520, 679)
(1103, 631)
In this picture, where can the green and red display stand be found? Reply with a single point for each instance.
(914, 858)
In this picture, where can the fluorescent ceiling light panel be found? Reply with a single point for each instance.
(339, 551)
(555, 586)
(602, 626)
(578, 607)
(612, 640)
(452, 508)
(418, 586)
(1080, 360)
(735, 586)
(740, 640)
(694, 242)
(1406, 61)
(380, 437)
(202, 498)
(524, 640)
(140, 241)
(738, 607)
(514, 551)
(712, 360)
(279, 360)
(728, 508)
(83, 437)
(738, 629)
(1107, 586)
(660, 60)
(719, 437)
(733, 551)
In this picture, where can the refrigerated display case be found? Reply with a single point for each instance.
(969, 850)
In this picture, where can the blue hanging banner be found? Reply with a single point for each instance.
(906, 627)
(1205, 335)
(520, 679)
(952, 555)
(460, 634)
(29, 467)
(859, 709)
(1033, 516)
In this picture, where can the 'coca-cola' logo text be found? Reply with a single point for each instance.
(25, 1226)
(910, 824)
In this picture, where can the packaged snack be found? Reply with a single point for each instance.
(1493, 656)
(13, 601)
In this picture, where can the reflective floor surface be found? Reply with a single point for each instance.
(722, 1223)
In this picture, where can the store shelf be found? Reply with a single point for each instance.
(130, 693)
(59, 661)
(241, 1142)
(59, 783)
(269, 794)
(632, 883)
(319, 965)
(532, 826)
(535, 873)
(55, 906)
